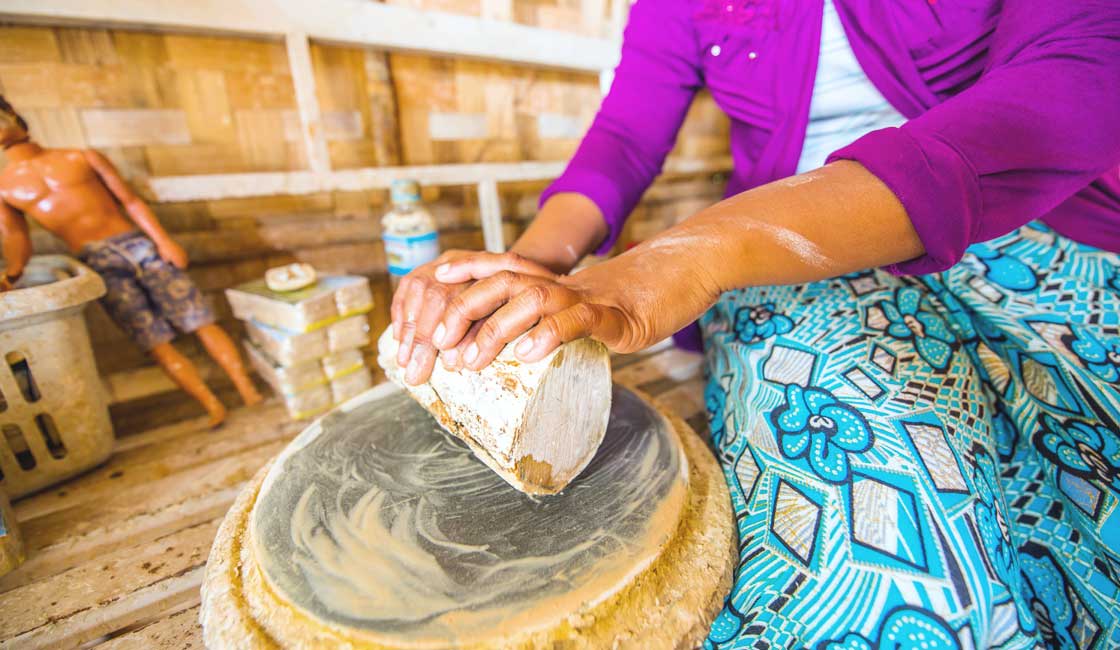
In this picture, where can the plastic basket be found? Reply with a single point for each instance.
(54, 415)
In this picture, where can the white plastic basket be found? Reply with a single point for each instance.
(54, 415)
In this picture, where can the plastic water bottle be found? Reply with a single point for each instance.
(408, 230)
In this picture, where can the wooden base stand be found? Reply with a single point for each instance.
(668, 604)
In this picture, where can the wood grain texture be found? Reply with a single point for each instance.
(512, 413)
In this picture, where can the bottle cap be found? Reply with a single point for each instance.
(404, 190)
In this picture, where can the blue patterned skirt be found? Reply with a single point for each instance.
(925, 463)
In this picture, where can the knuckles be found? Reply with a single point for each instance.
(512, 260)
(457, 308)
(505, 278)
(586, 315)
(436, 293)
(490, 334)
(538, 296)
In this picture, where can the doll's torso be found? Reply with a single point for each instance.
(63, 193)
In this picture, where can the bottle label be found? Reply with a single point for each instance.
(406, 252)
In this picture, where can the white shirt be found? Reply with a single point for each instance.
(845, 104)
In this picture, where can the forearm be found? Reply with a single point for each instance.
(568, 226)
(17, 251)
(810, 227)
(146, 220)
(818, 225)
(17, 241)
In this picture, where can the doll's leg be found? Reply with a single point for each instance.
(132, 309)
(180, 302)
(186, 376)
(223, 350)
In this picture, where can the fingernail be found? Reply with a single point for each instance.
(412, 375)
(410, 317)
(525, 346)
(450, 358)
(404, 351)
(471, 354)
(443, 269)
(437, 336)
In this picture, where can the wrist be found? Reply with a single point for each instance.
(559, 262)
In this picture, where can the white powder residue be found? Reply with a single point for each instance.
(796, 243)
(803, 248)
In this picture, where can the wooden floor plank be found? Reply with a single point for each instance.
(62, 539)
(151, 460)
(179, 631)
(96, 622)
(76, 550)
(146, 498)
(101, 580)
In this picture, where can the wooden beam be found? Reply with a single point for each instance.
(490, 214)
(211, 187)
(310, 118)
(350, 22)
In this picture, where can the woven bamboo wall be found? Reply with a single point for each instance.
(164, 104)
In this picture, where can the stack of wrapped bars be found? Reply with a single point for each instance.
(307, 343)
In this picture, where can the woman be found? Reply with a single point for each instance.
(913, 346)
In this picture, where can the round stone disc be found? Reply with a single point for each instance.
(376, 521)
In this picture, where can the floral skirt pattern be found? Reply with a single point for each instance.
(925, 463)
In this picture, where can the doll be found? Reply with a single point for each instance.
(78, 195)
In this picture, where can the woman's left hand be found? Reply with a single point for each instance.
(627, 303)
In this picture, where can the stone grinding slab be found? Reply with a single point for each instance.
(377, 529)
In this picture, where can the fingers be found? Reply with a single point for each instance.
(422, 357)
(422, 274)
(411, 301)
(513, 319)
(453, 357)
(396, 312)
(480, 300)
(484, 265)
(602, 323)
(420, 364)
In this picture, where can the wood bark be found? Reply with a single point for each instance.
(536, 424)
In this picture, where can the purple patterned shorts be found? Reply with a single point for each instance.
(145, 295)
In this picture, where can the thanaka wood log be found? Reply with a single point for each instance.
(536, 424)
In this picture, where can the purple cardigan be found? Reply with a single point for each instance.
(1013, 107)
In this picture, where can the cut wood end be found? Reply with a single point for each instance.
(536, 424)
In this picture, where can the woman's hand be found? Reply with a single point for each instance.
(627, 303)
(418, 305)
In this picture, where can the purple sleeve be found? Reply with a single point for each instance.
(1040, 124)
(638, 121)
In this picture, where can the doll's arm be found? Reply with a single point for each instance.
(136, 208)
(17, 244)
